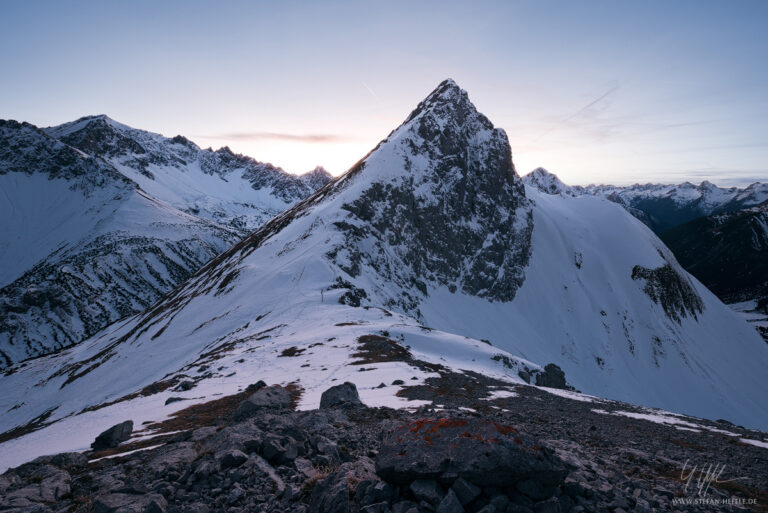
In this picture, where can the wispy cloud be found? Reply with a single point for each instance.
(278, 136)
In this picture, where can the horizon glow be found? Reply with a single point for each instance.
(595, 92)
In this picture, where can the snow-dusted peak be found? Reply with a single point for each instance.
(316, 178)
(24, 148)
(436, 204)
(547, 182)
(447, 108)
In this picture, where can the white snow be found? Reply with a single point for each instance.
(126, 453)
(756, 443)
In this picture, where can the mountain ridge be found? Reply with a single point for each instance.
(599, 296)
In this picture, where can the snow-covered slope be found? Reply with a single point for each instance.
(100, 219)
(398, 270)
(82, 246)
(216, 185)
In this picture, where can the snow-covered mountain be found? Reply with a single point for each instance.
(660, 206)
(717, 234)
(428, 255)
(220, 186)
(728, 252)
(98, 221)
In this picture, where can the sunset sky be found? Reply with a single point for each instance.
(595, 91)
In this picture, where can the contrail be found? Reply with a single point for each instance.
(370, 91)
(581, 110)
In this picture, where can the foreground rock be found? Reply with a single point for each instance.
(113, 436)
(341, 396)
(480, 451)
(532, 453)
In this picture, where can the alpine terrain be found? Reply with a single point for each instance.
(429, 267)
(660, 206)
(717, 234)
(99, 220)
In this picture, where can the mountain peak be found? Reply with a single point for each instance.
(448, 102)
(547, 182)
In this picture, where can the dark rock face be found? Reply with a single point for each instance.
(726, 252)
(454, 215)
(664, 285)
(344, 395)
(274, 397)
(553, 377)
(331, 495)
(482, 452)
(72, 306)
(113, 436)
(24, 148)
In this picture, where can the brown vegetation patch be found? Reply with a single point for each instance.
(377, 349)
(38, 422)
(151, 389)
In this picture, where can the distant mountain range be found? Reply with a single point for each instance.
(429, 259)
(717, 234)
(660, 206)
(99, 220)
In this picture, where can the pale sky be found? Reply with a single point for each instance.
(595, 91)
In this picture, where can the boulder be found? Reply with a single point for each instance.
(113, 436)
(450, 504)
(272, 398)
(340, 396)
(130, 503)
(331, 495)
(231, 458)
(482, 452)
(552, 377)
(427, 490)
(465, 491)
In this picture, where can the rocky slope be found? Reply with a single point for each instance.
(728, 252)
(464, 452)
(85, 245)
(428, 258)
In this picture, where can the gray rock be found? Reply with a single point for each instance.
(113, 436)
(450, 504)
(552, 376)
(331, 495)
(269, 471)
(232, 458)
(273, 398)
(279, 449)
(405, 507)
(465, 491)
(482, 452)
(533, 489)
(63, 460)
(129, 503)
(551, 505)
(427, 490)
(379, 507)
(305, 468)
(340, 396)
(48, 484)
